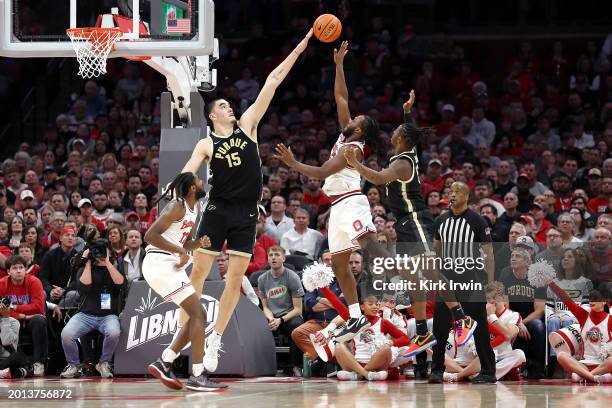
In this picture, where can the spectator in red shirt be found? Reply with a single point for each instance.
(28, 297)
(141, 207)
(562, 187)
(599, 204)
(541, 224)
(86, 214)
(56, 223)
(313, 195)
(25, 251)
(263, 242)
(5, 253)
(433, 180)
(266, 240)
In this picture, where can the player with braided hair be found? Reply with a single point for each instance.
(350, 219)
(164, 268)
(414, 226)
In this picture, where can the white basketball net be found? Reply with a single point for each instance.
(92, 46)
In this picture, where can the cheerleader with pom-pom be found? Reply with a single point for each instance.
(595, 330)
(371, 352)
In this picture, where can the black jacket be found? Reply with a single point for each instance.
(101, 282)
(55, 270)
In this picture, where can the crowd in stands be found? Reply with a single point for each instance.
(532, 141)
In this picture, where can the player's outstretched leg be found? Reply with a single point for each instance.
(229, 299)
(202, 263)
(356, 322)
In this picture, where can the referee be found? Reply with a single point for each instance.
(461, 235)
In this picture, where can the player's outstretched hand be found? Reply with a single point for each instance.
(339, 55)
(194, 244)
(284, 154)
(183, 259)
(304, 43)
(204, 241)
(408, 104)
(351, 157)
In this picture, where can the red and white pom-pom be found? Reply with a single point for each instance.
(317, 276)
(605, 351)
(541, 273)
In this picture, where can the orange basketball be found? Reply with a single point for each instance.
(327, 28)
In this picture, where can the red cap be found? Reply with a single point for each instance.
(526, 220)
(128, 215)
(66, 230)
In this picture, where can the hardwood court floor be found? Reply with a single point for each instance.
(271, 392)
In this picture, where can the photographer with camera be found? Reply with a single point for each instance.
(23, 298)
(100, 285)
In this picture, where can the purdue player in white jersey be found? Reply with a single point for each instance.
(169, 240)
(350, 219)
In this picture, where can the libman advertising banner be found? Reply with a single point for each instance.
(148, 325)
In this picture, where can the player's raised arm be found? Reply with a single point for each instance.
(201, 153)
(399, 169)
(340, 90)
(250, 119)
(407, 107)
(284, 154)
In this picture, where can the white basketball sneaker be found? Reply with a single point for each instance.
(604, 378)
(576, 378)
(211, 354)
(377, 376)
(347, 375)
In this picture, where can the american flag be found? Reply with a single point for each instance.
(178, 25)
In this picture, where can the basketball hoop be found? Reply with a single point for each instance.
(92, 46)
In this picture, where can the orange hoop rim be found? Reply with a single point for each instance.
(140, 58)
(85, 32)
(102, 36)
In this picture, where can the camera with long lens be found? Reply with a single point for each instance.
(97, 249)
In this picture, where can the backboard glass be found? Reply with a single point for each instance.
(37, 28)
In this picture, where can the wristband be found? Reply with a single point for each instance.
(331, 327)
(492, 318)
(407, 117)
(282, 319)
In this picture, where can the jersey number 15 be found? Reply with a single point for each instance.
(233, 159)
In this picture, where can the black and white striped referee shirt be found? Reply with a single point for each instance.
(462, 234)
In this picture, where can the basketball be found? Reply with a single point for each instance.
(327, 28)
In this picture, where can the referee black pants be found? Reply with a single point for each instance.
(442, 326)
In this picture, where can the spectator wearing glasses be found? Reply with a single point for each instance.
(554, 248)
(567, 225)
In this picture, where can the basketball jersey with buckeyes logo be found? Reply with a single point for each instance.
(346, 180)
(178, 232)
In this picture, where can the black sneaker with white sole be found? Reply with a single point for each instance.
(352, 327)
(202, 383)
(163, 372)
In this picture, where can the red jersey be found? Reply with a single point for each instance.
(598, 205)
(29, 297)
(317, 200)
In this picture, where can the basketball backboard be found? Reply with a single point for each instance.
(37, 28)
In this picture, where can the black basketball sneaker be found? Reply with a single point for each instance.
(163, 372)
(202, 383)
(352, 327)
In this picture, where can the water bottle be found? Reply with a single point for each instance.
(306, 366)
